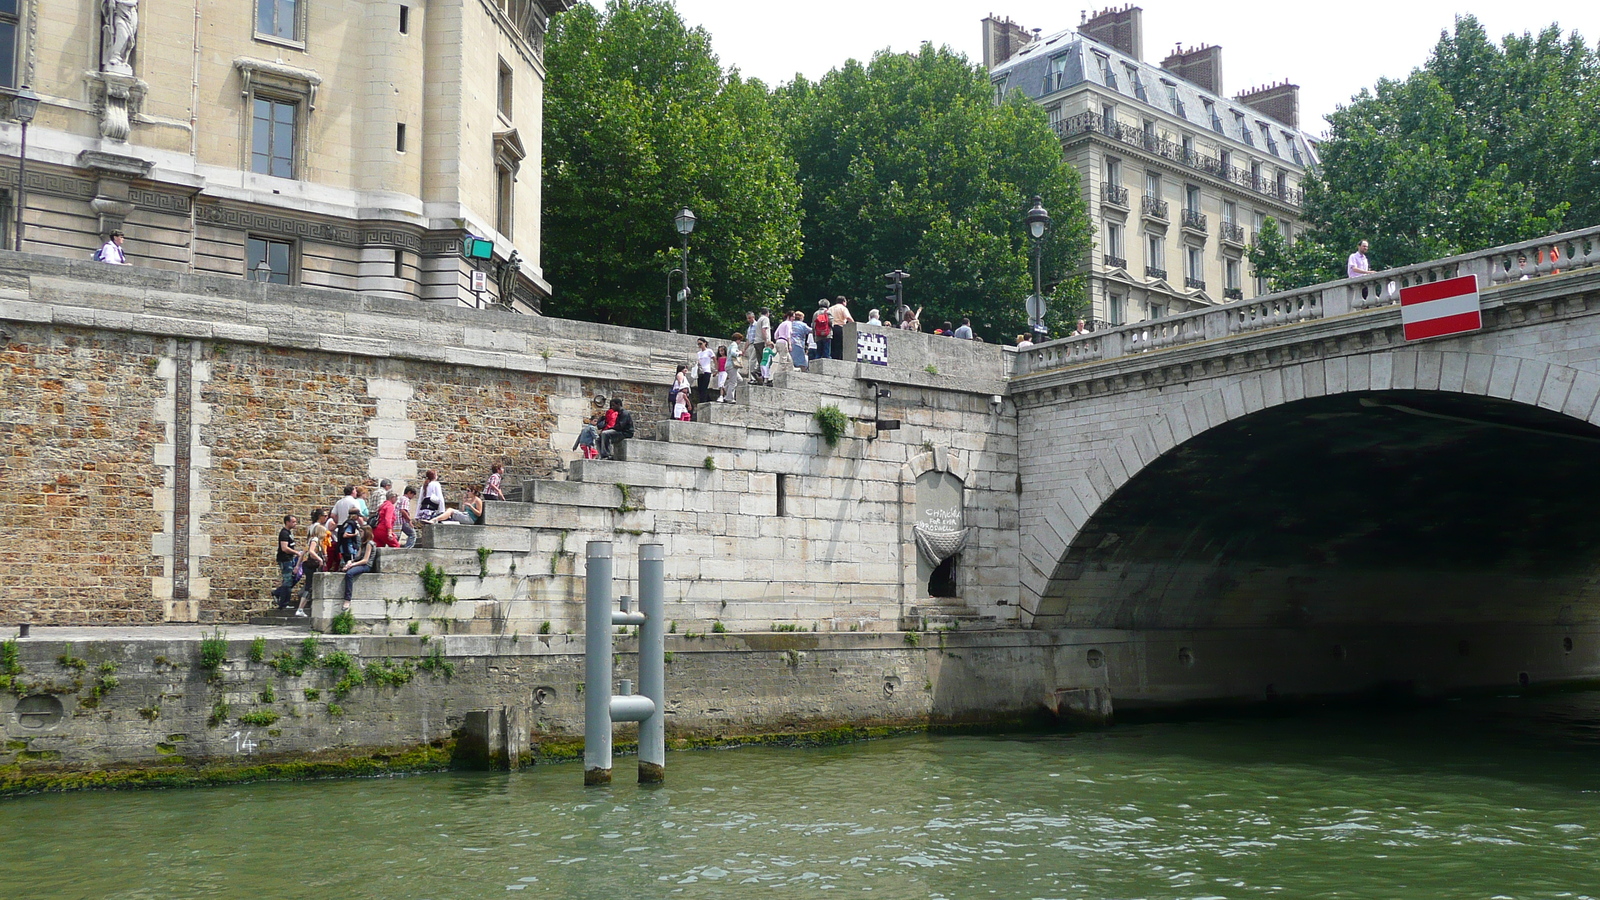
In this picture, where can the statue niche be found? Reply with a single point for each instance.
(940, 531)
(119, 31)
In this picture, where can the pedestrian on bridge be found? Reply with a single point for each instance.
(1357, 263)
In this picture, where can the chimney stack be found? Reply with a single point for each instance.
(1275, 101)
(1200, 66)
(1120, 28)
(1002, 38)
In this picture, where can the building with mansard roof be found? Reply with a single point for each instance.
(1178, 177)
(355, 144)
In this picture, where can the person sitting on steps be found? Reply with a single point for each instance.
(621, 429)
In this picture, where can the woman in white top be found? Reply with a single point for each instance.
(432, 498)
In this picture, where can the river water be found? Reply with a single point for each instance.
(1471, 799)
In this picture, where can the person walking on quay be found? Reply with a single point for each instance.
(387, 532)
(799, 331)
(432, 498)
(705, 367)
(757, 336)
(822, 331)
(288, 555)
(1357, 264)
(491, 487)
(111, 251)
(783, 336)
(964, 333)
(738, 364)
(408, 525)
(620, 429)
(838, 315)
(314, 558)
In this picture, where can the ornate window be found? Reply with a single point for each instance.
(279, 99)
(508, 156)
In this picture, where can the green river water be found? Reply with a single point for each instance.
(1470, 799)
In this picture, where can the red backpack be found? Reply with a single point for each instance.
(824, 324)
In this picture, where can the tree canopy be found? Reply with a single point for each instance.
(1484, 144)
(640, 119)
(908, 162)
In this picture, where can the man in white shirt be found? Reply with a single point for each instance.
(111, 251)
(1357, 264)
(965, 331)
(346, 505)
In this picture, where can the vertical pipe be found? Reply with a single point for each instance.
(652, 663)
(597, 664)
(22, 190)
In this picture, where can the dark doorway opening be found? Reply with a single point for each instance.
(942, 583)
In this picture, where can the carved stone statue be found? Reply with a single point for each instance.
(119, 27)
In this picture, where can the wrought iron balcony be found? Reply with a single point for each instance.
(1194, 220)
(1194, 284)
(1233, 233)
(1114, 262)
(1094, 123)
(1153, 272)
(1116, 195)
(1153, 207)
(1233, 293)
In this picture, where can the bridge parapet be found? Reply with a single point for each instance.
(1550, 255)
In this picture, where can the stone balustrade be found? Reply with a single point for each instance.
(1551, 255)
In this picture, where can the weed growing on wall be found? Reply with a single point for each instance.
(833, 423)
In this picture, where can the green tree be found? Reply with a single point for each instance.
(640, 119)
(1482, 145)
(908, 162)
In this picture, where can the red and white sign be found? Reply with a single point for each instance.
(1441, 308)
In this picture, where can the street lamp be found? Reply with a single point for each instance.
(1038, 223)
(24, 103)
(263, 272)
(684, 222)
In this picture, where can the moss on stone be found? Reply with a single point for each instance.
(25, 779)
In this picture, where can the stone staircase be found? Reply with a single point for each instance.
(707, 489)
(937, 615)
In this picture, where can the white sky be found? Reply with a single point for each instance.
(1330, 49)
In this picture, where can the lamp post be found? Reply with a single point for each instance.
(23, 106)
(263, 272)
(684, 222)
(1038, 223)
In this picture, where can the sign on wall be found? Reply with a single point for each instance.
(872, 348)
(1441, 308)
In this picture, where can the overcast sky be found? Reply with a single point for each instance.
(1331, 50)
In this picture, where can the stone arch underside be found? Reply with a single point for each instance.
(1407, 487)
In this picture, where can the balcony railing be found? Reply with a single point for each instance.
(1233, 293)
(1115, 262)
(1094, 123)
(1233, 233)
(1194, 284)
(1153, 272)
(1153, 207)
(1116, 194)
(1195, 220)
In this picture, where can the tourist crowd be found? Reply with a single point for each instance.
(346, 536)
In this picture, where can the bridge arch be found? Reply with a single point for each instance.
(1092, 564)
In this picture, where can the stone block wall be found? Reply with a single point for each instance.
(237, 403)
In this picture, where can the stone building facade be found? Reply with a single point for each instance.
(1178, 178)
(353, 144)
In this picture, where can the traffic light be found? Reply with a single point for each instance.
(897, 288)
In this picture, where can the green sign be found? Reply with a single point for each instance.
(477, 248)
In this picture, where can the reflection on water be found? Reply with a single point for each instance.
(1472, 799)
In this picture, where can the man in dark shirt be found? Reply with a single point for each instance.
(287, 554)
(621, 429)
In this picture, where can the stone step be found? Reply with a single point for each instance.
(551, 516)
(948, 623)
(733, 437)
(572, 493)
(616, 471)
(282, 618)
(453, 562)
(471, 537)
(689, 456)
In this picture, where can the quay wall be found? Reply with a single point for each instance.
(78, 709)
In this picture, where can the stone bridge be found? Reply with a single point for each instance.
(1292, 466)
